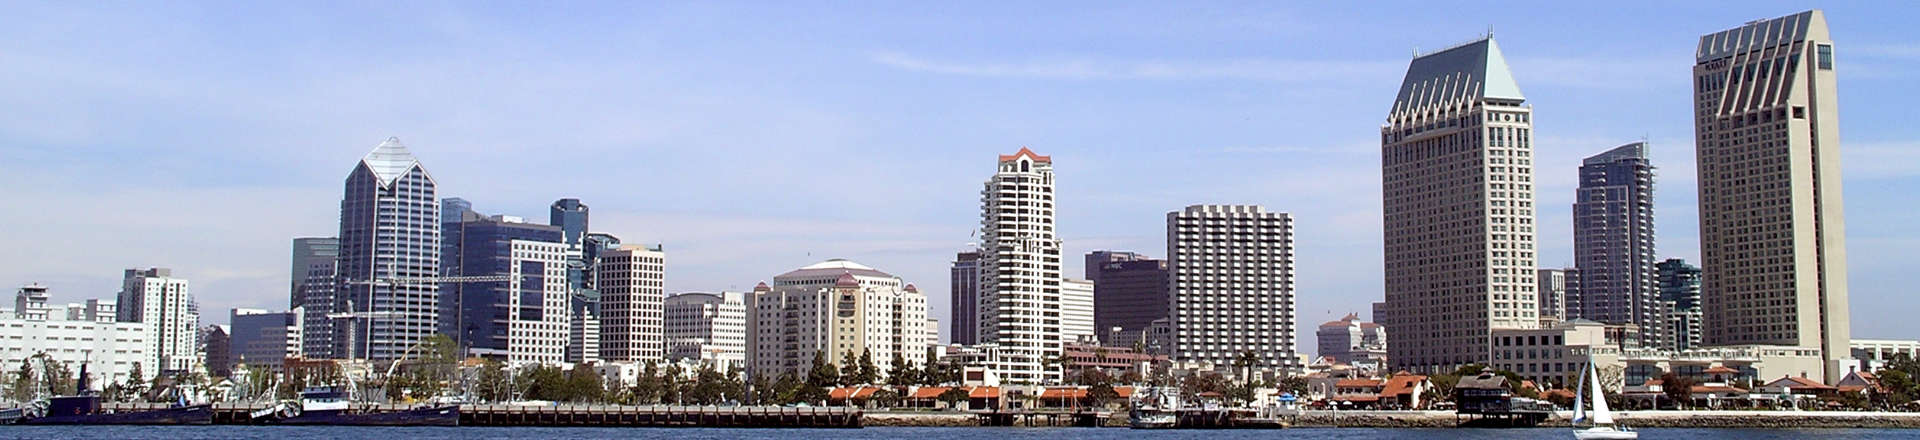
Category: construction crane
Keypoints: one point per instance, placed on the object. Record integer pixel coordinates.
(459, 327)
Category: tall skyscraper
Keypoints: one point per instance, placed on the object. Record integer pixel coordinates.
(1457, 178)
(389, 229)
(1232, 285)
(309, 252)
(1680, 290)
(632, 282)
(1076, 311)
(1129, 293)
(1613, 243)
(1020, 268)
(172, 319)
(526, 318)
(965, 293)
(1772, 230)
(1552, 291)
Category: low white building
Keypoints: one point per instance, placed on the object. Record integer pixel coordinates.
(1875, 353)
(73, 334)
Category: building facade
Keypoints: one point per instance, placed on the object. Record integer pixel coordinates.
(1077, 311)
(1874, 354)
(1679, 285)
(1020, 268)
(263, 339)
(1613, 243)
(965, 304)
(165, 306)
(1232, 285)
(1457, 180)
(308, 253)
(389, 230)
(1772, 229)
(1552, 291)
(1129, 293)
(1352, 341)
(710, 327)
(632, 283)
(527, 317)
(73, 334)
(838, 309)
(314, 283)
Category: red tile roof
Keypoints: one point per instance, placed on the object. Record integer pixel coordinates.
(1401, 384)
(861, 392)
(984, 393)
(1063, 393)
(1357, 398)
(1800, 382)
(1720, 370)
(1026, 152)
(1715, 389)
(928, 392)
(1124, 392)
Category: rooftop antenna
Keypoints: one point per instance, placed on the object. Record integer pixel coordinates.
(1489, 31)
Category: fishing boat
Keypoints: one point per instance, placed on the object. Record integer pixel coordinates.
(1155, 408)
(332, 406)
(83, 408)
(1597, 425)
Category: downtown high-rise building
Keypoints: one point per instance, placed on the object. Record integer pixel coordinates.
(263, 339)
(1076, 312)
(708, 327)
(389, 249)
(632, 282)
(1020, 269)
(1232, 285)
(1679, 285)
(1613, 244)
(525, 317)
(1457, 181)
(1553, 286)
(1129, 293)
(315, 281)
(1772, 229)
(165, 307)
(964, 292)
(310, 253)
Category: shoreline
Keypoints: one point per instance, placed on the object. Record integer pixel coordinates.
(1447, 419)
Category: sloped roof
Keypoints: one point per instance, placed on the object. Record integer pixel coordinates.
(1056, 393)
(1798, 382)
(833, 268)
(1402, 384)
(1461, 73)
(1484, 381)
(928, 392)
(389, 161)
(1720, 370)
(1028, 153)
(984, 392)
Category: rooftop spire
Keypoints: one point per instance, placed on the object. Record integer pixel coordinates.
(389, 161)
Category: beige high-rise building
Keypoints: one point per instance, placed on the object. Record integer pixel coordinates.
(1772, 234)
(632, 282)
(1020, 269)
(838, 309)
(1457, 179)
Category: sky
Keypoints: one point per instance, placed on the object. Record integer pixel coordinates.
(753, 138)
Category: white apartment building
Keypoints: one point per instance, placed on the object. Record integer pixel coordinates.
(1457, 181)
(709, 327)
(1232, 285)
(632, 282)
(165, 305)
(1020, 268)
(73, 334)
(1875, 353)
(1773, 246)
(836, 308)
(1076, 311)
(538, 312)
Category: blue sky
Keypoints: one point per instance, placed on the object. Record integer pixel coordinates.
(751, 138)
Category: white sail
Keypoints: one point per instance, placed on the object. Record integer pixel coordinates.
(1600, 415)
(1579, 399)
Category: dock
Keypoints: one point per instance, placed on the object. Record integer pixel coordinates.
(592, 415)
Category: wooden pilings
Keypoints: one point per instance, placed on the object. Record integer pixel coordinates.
(593, 415)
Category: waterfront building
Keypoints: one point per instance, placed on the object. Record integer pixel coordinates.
(263, 339)
(1129, 293)
(1772, 225)
(1554, 356)
(1552, 289)
(1679, 285)
(1114, 361)
(1457, 180)
(389, 229)
(1874, 354)
(1020, 267)
(707, 327)
(1613, 243)
(1743, 366)
(632, 283)
(1232, 285)
(1077, 311)
(165, 306)
(314, 282)
(836, 308)
(1351, 341)
(525, 318)
(965, 295)
(72, 334)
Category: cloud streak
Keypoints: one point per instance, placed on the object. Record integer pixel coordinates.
(1088, 68)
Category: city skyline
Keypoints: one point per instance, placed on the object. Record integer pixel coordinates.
(1339, 239)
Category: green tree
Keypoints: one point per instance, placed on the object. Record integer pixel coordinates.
(822, 374)
(868, 373)
(1901, 388)
(789, 389)
(1295, 384)
(671, 390)
(885, 398)
(494, 384)
(849, 373)
(1677, 387)
(543, 382)
(583, 385)
(1099, 394)
(1442, 390)
(648, 388)
(903, 374)
(954, 397)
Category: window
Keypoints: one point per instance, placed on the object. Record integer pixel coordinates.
(1825, 52)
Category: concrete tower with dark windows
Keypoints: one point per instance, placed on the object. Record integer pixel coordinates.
(313, 283)
(965, 291)
(1772, 230)
(1613, 243)
(1680, 290)
(1020, 268)
(389, 229)
(1456, 159)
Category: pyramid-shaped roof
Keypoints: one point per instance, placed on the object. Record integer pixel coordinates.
(1461, 73)
(389, 161)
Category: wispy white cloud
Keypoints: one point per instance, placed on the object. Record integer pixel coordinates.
(1088, 68)
(1880, 159)
(1907, 50)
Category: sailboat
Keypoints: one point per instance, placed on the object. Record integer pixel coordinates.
(1600, 426)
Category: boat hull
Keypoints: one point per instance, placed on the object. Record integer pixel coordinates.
(188, 415)
(1604, 434)
(435, 416)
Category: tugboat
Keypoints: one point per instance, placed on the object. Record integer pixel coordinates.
(332, 406)
(1157, 408)
(83, 408)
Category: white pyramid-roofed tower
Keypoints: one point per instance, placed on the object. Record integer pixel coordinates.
(390, 161)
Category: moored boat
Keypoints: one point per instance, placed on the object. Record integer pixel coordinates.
(330, 406)
(83, 408)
